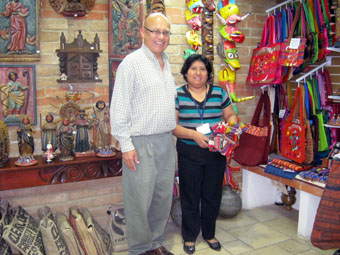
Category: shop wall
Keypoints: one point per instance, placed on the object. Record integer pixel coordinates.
(98, 194)
(52, 25)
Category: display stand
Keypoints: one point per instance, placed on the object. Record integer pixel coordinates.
(79, 169)
(259, 190)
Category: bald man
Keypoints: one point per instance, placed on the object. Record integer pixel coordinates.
(142, 118)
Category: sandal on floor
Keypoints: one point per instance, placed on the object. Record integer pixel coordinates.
(190, 249)
(214, 245)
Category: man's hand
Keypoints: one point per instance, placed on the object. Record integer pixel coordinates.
(130, 158)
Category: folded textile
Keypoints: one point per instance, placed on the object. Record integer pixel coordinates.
(277, 170)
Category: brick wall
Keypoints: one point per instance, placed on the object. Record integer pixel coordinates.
(98, 194)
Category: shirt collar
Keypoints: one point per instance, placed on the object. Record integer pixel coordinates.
(150, 55)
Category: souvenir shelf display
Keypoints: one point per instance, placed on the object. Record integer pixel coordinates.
(78, 60)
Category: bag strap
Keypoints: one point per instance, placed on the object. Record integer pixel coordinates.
(263, 103)
(295, 21)
(307, 104)
(322, 91)
(311, 97)
(328, 82)
(268, 33)
(297, 96)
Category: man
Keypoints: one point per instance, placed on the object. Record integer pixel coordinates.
(142, 118)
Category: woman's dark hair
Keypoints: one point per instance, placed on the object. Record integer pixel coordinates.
(191, 59)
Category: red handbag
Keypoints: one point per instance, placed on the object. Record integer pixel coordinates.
(294, 133)
(265, 67)
(254, 143)
(293, 57)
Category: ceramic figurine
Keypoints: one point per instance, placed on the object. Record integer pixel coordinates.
(102, 137)
(25, 143)
(82, 144)
(66, 139)
(49, 133)
(49, 153)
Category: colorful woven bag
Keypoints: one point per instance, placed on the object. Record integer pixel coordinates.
(294, 133)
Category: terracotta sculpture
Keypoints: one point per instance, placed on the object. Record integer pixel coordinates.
(25, 143)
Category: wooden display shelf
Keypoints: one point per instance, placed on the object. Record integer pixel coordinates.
(79, 169)
(297, 184)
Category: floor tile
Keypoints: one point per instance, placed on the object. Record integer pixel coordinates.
(293, 246)
(284, 225)
(271, 250)
(240, 220)
(271, 212)
(258, 235)
(268, 230)
(237, 247)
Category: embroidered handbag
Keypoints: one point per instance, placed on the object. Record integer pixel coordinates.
(254, 143)
(265, 65)
(293, 57)
(294, 133)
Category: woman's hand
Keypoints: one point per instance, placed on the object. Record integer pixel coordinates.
(200, 139)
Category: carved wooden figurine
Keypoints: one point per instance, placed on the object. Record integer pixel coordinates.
(25, 143)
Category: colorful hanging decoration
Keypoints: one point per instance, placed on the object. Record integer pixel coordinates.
(227, 76)
(225, 137)
(228, 14)
(194, 19)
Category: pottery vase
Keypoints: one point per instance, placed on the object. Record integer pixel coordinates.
(231, 203)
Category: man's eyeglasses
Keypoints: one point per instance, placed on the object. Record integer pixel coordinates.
(158, 33)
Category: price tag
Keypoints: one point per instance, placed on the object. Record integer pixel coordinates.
(204, 129)
(294, 43)
(282, 113)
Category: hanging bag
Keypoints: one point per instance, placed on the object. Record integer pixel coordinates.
(294, 133)
(293, 56)
(265, 67)
(254, 143)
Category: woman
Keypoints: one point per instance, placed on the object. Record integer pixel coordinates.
(199, 106)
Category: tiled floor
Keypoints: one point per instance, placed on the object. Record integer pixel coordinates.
(269, 230)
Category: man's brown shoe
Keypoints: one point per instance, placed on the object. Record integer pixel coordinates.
(159, 251)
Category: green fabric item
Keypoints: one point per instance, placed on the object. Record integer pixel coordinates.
(323, 143)
(310, 20)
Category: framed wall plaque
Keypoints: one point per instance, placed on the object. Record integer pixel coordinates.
(17, 93)
(125, 20)
(19, 33)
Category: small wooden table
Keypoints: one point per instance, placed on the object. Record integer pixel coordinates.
(79, 169)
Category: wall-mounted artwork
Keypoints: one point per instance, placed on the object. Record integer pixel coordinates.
(114, 63)
(125, 19)
(17, 93)
(19, 40)
(72, 8)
